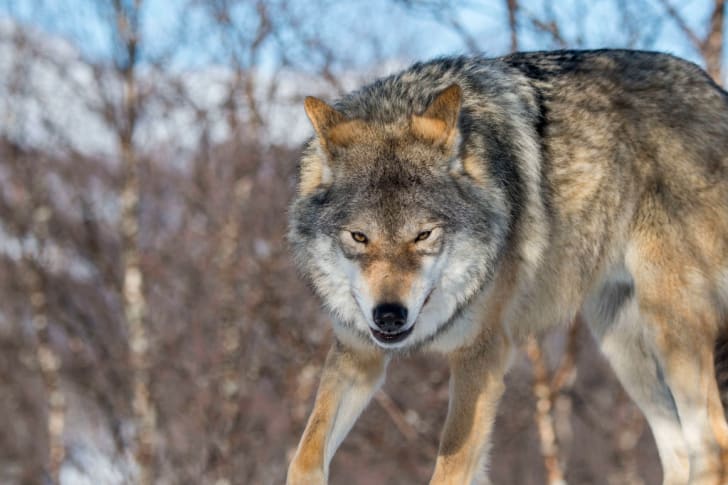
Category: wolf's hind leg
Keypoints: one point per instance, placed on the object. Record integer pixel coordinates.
(348, 381)
(476, 385)
(680, 323)
(687, 359)
(620, 334)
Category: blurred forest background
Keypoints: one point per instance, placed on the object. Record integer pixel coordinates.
(152, 328)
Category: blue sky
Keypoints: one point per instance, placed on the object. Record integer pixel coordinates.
(398, 32)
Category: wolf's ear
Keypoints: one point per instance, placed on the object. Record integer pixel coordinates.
(315, 168)
(323, 117)
(332, 128)
(438, 124)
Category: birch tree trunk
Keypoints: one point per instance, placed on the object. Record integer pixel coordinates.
(135, 306)
(49, 362)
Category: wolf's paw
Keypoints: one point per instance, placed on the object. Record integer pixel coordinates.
(296, 476)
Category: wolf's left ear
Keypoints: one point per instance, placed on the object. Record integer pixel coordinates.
(438, 124)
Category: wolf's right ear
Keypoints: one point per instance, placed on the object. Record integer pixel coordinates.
(331, 126)
(322, 116)
(315, 169)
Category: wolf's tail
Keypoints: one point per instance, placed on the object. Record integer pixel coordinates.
(720, 360)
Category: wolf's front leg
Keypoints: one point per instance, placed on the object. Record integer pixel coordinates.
(349, 379)
(476, 385)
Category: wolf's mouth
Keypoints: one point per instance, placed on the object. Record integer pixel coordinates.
(427, 298)
(391, 338)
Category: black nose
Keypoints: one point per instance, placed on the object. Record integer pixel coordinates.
(390, 317)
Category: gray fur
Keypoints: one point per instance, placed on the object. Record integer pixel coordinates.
(592, 181)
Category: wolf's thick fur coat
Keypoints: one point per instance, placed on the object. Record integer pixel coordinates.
(490, 198)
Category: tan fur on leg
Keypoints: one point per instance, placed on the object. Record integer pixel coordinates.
(476, 385)
(348, 382)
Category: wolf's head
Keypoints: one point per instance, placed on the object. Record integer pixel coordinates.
(395, 225)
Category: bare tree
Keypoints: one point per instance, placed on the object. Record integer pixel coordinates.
(49, 361)
(127, 16)
(709, 45)
(512, 6)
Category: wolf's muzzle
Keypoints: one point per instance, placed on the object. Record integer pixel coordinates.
(390, 318)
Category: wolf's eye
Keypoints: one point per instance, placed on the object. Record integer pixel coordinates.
(422, 236)
(359, 237)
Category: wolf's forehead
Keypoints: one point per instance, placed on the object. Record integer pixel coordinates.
(388, 212)
(390, 156)
(387, 175)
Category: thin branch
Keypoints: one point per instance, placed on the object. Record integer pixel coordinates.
(712, 48)
(551, 28)
(544, 420)
(410, 433)
(682, 24)
(564, 373)
(512, 23)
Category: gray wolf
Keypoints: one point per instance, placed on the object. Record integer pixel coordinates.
(466, 202)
